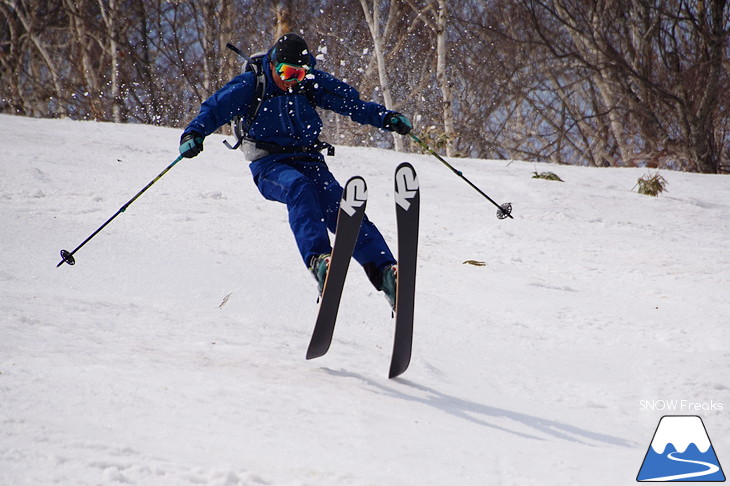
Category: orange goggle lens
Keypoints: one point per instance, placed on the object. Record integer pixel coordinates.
(289, 72)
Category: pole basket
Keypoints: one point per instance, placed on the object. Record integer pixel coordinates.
(504, 211)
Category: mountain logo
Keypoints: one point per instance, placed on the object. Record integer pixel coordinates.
(681, 451)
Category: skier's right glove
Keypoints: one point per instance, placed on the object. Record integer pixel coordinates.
(398, 123)
(191, 144)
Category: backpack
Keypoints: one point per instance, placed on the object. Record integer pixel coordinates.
(240, 124)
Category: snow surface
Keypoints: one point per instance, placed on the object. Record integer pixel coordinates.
(172, 353)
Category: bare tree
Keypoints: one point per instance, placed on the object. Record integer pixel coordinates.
(283, 11)
(434, 15)
(606, 82)
(13, 99)
(86, 51)
(378, 33)
(442, 75)
(32, 18)
(110, 16)
(386, 21)
(651, 71)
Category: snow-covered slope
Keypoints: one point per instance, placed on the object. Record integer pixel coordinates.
(172, 353)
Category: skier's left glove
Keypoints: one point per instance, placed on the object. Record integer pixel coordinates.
(191, 144)
(398, 123)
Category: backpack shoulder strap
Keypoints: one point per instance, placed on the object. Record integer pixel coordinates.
(251, 64)
(255, 64)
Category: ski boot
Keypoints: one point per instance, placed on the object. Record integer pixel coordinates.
(319, 266)
(389, 283)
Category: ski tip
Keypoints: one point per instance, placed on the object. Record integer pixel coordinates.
(397, 369)
(395, 374)
(316, 352)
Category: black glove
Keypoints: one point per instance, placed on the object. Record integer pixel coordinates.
(398, 123)
(191, 144)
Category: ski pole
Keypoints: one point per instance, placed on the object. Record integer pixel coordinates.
(503, 211)
(68, 256)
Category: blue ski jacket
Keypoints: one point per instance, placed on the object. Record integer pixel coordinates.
(285, 118)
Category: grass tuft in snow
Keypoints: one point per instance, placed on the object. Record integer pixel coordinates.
(651, 184)
(548, 176)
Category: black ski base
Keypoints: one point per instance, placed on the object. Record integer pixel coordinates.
(349, 218)
(408, 202)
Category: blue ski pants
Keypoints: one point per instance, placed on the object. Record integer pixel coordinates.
(312, 196)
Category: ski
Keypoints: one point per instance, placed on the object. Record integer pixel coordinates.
(407, 207)
(349, 218)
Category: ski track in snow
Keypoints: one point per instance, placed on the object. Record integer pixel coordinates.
(129, 367)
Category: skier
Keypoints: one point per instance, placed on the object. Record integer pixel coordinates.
(281, 141)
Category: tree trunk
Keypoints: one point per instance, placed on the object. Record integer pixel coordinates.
(109, 15)
(443, 79)
(35, 38)
(373, 21)
(284, 24)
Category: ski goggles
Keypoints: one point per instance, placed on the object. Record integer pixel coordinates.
(290, 72)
